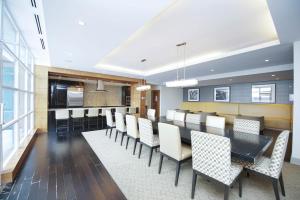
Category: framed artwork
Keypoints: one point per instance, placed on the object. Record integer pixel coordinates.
(222, 94)
(193, 94)
(263, 93)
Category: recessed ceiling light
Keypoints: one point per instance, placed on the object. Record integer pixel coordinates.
(81, 23)
(273, 75)
(212, 70)
(267, 60)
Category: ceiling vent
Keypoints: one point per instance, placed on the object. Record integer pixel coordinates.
(42, 43)
(38, 25)
(33, 3)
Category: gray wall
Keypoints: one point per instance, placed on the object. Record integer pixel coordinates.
(241, 93)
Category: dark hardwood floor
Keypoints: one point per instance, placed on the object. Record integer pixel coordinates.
(62, 168)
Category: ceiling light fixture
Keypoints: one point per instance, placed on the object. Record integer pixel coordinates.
(267, 60)
(273, 75)
(81, 23)
(143, 86)
(182, 82)
(212, 70)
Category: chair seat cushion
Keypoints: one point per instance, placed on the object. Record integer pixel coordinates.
(186, 151)
(261, 166)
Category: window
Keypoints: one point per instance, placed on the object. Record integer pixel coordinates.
(263, 93)
(8, 99)
(8, 142)
(10, 34)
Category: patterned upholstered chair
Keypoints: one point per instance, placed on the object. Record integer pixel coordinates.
(170, 115)
(171, 147)
(179, 116)
(212, 160)
(120, 126)
(147, 138)
(151, 114)
(132, 131)
(193, 118)
(271, 168)
(109, 121)
(246, 126)
(214, 121)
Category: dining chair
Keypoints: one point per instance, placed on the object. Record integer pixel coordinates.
(246, 126)
(179, 116)
(78, 116)
(212, 160)
(170, 115)
(121, 110)
(151, 114)
(271, 168)
(214, 121)
(132, 131)
(61, 116)
(147, 137)
(120, 126)
(109, 122)
(171, 147)
(193, 118)
(92, 114)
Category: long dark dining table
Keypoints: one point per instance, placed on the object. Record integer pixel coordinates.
(245, 147)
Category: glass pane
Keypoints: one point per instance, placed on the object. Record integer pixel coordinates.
(29, 82)
(29, 102)
(8, 140)
(29, 127)
(8, 74)
(9, 34)
(22, 78)
(22, 129)
(23, 52)
(22, 103)
(8, 101)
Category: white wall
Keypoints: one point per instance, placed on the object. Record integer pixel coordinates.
(296, 125)
(170, 98)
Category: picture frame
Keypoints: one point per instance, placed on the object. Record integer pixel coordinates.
(193, 94)
(222, 94)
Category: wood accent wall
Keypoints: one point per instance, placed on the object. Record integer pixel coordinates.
(277, 116)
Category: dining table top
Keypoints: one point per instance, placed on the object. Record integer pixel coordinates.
(245, 147)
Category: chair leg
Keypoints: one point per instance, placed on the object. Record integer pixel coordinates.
(150, 157)
(117, 132)
(281, 184)
(135, 142)
(160, 163)
(127, 142)
(226, 192)
(194, 180)
(240, 186)
(177, 173)
(140, 151)
(110, 132)
(275, 187)
(123, 134)
(106, 131)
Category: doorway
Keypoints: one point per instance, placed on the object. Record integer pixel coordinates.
(155, 102)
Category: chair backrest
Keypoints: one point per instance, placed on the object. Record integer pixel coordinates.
(78, 113)
(211, 155)
(146, 131)
(169, 140)
(132, 129)
(246, 126)
(278, 154)
(179, 116)
(103, 111)
(214, 121)
(62, 114)
(121, 110)
(170, 115)
(151, 114)
(93, 112)
(193, 118)
(131, 110)
(109, 118)
(120, 124)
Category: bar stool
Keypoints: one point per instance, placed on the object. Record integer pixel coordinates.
(61, 116)
(78, 116)
(92, 114)
(121, 110)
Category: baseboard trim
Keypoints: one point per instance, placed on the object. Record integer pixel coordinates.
(295, 161)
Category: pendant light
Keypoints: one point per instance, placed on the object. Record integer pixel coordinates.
(143, 86)
(182, 82)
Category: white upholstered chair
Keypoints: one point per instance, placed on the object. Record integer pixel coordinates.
(92, 116)
(121, 110)
(272, 167)
(147, 137)
(151, 114)
(179, 116)
(120, 126)
(171, 147)
(170, 115)
(246, 126)
(132, 130)
(62, 116)
(212, 160)
(109, 121)
(214, 121)
(78, 116)
(193, 118)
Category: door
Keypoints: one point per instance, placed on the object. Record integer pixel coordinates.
(155, 102)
